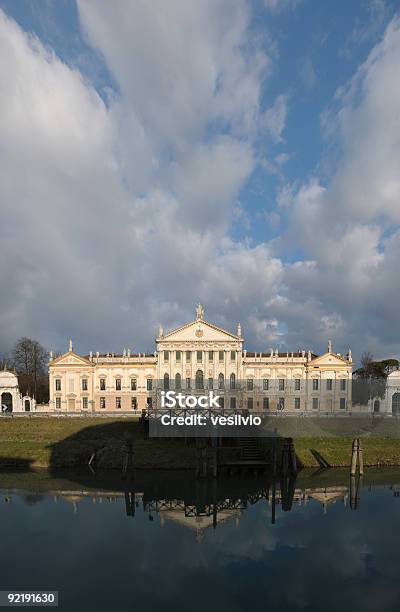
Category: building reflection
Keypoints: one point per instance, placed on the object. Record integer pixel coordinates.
(200, 505)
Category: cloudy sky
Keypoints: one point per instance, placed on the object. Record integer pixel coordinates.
(245, 154)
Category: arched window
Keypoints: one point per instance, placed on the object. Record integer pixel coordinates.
(178, 381)
(166, 382)
(377, 405)
(232, 381)
(221, 381)
(199, 380)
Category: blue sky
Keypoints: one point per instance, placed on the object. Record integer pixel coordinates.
(240, 134)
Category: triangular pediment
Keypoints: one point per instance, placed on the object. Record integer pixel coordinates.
(329, 359)
(199, 330)
(70, 358)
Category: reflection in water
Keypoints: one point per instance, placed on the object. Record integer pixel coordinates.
(285, 544)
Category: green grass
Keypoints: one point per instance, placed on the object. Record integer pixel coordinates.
(69, 442)
(337, 451)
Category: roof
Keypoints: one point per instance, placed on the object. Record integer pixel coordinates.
(8, 379)
(197, 322)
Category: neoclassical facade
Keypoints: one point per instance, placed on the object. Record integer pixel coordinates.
(196, 357)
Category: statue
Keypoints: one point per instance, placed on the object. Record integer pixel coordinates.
(160, 331)
(239, 330)
(70, 347)
(199, 311)
(329, 346)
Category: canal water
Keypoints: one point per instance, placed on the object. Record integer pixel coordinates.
(163, 541)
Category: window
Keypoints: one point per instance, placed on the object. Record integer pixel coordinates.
(133, 403)
(199, 380)
(166, 355)
(149, 384)
(58, 384)
(58, 403)
(84, 384)
(221, 355)
(178, 381)
(250, 384)
(343, 384)
(297, 384)
(166, 382)
(221, 381)
(265, 403)
(210, 355)
(118, 384)
(188, 355)
(221, 402)
(178, 355)
(265, 384)
(376, 406)
(118, 403)
(281, 403)
(329, 384)
(149, 403)
(315, 403)
(85, 403)
(342, 403)
(188, 383)
(199, 356)
(297, 403)
(133, 384)
(232, 381)
(102, 384)
(211, 383)
(315, 384)
(281, 384)
(249, 403)
(233, 355)
(233, 403)
(102, 402)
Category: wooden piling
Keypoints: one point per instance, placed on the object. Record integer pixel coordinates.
(354, 456)
(360, 458)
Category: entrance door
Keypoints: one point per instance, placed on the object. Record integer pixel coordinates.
(27, 405)
(71, 404)
(396, 403)
(6, 402)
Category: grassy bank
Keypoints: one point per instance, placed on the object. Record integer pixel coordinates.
(49, 442)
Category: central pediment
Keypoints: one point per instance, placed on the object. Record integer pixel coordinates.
(197, 331)
(70, 359)
(329, 359)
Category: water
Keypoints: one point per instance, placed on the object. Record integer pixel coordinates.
(163, 541)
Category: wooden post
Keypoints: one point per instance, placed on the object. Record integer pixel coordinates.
(285, 457)
(360, 458)
(292, 457)
(354, 456)
(273, 499)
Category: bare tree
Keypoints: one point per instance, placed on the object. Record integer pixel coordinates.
(367, 360)
(30, 359)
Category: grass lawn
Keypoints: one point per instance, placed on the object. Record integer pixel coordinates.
(69, 442)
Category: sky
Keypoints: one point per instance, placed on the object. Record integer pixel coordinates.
(242, 154)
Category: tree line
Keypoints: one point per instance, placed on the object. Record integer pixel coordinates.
(29, 359)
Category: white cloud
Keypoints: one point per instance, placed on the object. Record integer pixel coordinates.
(116, 217)
(281, 5)
(275, 118)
